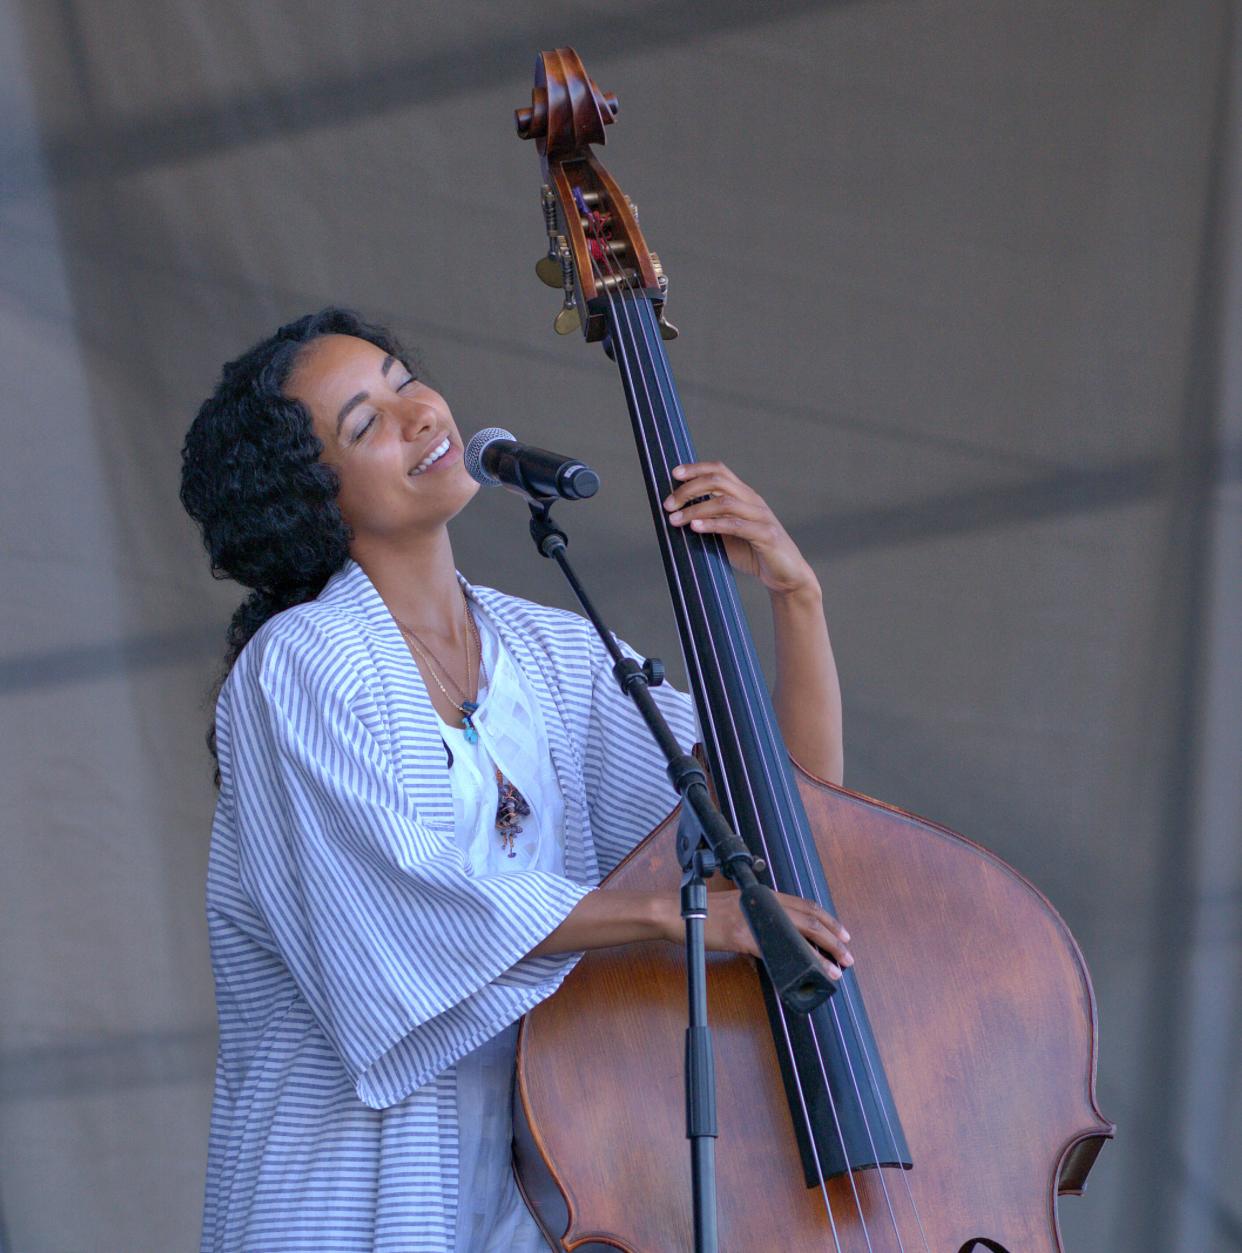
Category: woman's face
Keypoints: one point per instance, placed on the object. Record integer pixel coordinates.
(390, 438)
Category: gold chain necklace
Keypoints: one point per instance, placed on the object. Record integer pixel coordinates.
(511, 806)
(465, 706)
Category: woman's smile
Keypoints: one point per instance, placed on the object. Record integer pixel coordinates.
(442, 453)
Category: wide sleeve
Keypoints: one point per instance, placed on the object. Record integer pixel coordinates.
(406, 961)
(627, 786)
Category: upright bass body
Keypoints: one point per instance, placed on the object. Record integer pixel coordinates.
(943, 1096)
(986, 1022)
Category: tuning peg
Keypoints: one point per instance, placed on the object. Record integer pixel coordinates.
(667, 329)
(568, 320)
(549, 269)
(570, 317)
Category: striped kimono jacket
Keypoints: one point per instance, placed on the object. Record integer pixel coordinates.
(355, 958)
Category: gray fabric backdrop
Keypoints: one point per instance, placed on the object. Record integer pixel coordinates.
(960, 289)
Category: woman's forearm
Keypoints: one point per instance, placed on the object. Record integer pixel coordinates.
(602, 919)
(807, 693)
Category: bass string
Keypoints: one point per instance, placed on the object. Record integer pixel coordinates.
(731, 801)
(646, 320)
(723, 584)
(698, 661)
(729, 589)
(837, 1126)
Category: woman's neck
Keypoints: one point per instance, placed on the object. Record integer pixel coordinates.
(418, 583)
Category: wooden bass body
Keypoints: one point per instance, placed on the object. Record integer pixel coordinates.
(985, 1016)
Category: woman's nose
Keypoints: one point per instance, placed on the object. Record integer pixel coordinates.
(417, 418)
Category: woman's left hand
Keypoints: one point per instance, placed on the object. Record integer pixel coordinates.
(754, 539)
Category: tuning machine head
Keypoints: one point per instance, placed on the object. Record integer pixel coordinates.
(667, 329)
(569, 319)
(548, 267)
(556, 268)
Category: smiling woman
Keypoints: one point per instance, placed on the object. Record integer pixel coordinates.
(419, 794)
(390, 438)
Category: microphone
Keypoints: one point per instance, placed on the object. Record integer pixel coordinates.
(495, 459)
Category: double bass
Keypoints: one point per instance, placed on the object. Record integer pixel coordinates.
(944, 1097)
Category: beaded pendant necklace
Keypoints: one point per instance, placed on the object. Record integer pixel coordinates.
(511, 806)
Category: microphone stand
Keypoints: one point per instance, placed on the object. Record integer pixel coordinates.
(705, 843)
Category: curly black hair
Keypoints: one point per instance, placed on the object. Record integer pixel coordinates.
(252, 479)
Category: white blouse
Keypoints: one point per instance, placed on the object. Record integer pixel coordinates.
(491, 1215)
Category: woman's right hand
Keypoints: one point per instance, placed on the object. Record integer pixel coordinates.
(727, 930)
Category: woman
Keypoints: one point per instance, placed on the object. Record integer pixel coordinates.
(421, 783)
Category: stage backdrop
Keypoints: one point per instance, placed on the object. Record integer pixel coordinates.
(959, 288)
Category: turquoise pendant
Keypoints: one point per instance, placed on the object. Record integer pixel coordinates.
(472, 736)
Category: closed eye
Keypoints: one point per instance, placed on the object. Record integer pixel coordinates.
(402, 386)
(362, 429)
